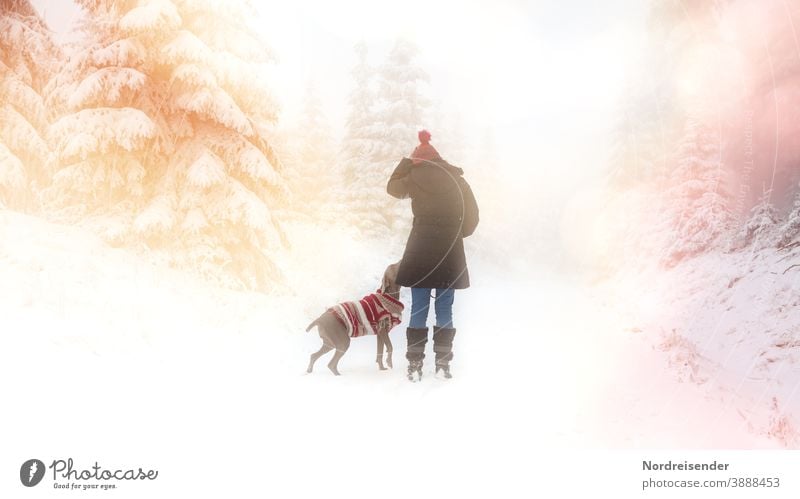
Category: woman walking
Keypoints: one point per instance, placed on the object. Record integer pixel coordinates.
(445, 212)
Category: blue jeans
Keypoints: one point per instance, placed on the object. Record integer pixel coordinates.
(421, 301)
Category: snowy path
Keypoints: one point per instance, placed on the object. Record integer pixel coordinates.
(105, 357)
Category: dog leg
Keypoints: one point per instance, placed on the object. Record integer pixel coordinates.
(333, 365)
(316, 355)
(388, 351)
(341, 349)
(379, 356)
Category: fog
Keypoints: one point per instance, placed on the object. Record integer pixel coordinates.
(531, 89)
(542, 77)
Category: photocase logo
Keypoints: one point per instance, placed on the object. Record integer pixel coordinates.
(31, 472)
(68, 476)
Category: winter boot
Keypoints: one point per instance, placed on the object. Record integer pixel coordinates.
(417, 338)
(443, 347)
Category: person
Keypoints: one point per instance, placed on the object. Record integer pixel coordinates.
(445, 212)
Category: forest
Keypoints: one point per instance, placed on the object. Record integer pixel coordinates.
(707, 139)
(154, 127)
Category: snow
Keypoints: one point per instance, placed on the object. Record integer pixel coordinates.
(195, 221)
(80, 145)
(18, 133)
(214, 104)
(193, 74)
(120, 53)
(791, 226)
(115, 355)
(124, 127)
(158, 215)
(252, 161)
(165, 125)
(158, 15)
(12, 173)
(243, 203)
(105, 85)
(186, 47)
(23, 97)
(727, 323)
(120, 359)
(207, 170)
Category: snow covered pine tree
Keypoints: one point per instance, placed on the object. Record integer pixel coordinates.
(164, 137)
(790, 228)
(27, 57)
(758, 230)
(358, 156)
(102, 133)
(379, 136)
(310, 158)
(697, 200)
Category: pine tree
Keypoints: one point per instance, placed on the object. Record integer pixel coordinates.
(362, 138)
(401, 112)
(763, 219)
(790, 228)
(698, 201)
(27, 55)
(649, 122)
(311, 165)
(637, 154)
(102, 131)
(223, 174)
(359, 186)
(402, 105)
(167, 127)
(652, 114)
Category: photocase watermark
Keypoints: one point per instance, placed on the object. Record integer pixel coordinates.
(31, 472)
(67, 476)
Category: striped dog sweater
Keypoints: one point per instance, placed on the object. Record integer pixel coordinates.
(373, 313)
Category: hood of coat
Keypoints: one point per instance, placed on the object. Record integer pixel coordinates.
(436, 178)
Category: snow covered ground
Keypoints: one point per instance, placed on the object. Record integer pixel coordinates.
(105, 356)
(729, 327)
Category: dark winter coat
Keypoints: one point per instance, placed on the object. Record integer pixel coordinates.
(445, 212)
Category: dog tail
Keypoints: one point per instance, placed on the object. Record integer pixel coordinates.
(311, 326)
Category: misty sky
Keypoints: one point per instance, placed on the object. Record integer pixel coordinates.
(542, 77)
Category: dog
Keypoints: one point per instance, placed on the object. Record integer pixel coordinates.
(338, 324)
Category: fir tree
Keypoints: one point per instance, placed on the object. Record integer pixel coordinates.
(400, 113)
(759, 226)
(223, 175)
(790, 228)
(698, 201)
(101, 132)
(362, 138)
(402, 104)
(636, 150)
(27, 57)
(167, 124)
(312, 160)
(360, 189)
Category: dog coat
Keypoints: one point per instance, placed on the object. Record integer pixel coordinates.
(368, 315)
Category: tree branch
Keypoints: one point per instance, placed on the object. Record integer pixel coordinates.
(790, 268)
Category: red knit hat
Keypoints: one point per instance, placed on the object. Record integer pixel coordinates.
(424, 136)
(424, 151)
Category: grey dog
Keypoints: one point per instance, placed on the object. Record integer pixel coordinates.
(334, 334)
